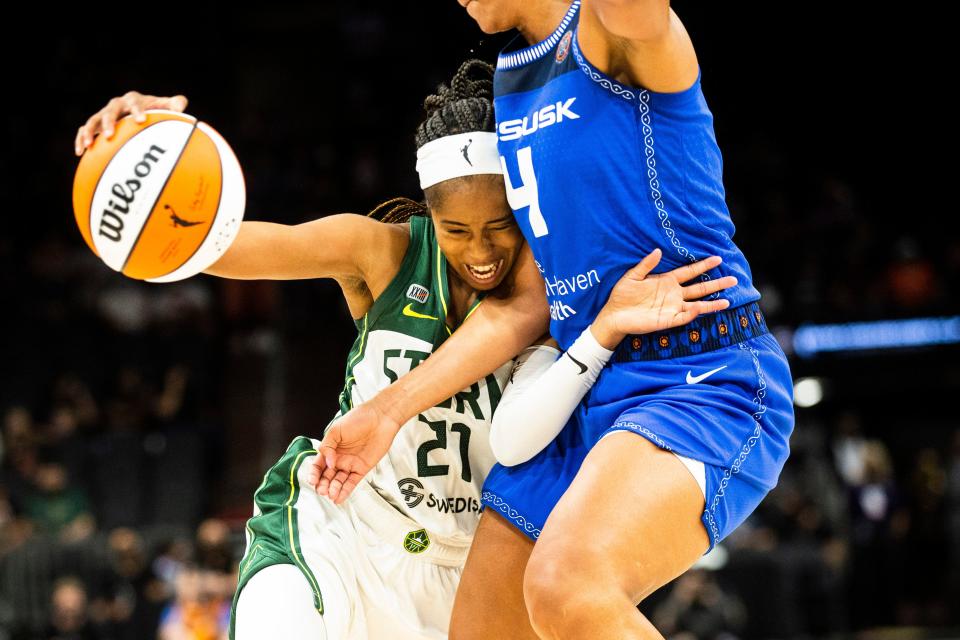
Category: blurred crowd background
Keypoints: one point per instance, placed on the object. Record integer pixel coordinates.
(137, 419)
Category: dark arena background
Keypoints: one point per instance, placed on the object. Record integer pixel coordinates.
(138, 418)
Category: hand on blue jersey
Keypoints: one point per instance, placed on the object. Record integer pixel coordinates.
(642, 303)
(130, 103)
(351, 447)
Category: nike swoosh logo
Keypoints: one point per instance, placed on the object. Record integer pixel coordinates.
(583, 367)
(692, 379)
(407, 311)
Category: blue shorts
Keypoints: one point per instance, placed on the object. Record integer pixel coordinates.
(730, 408)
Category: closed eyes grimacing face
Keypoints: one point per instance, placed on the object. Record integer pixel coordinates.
(475, 229)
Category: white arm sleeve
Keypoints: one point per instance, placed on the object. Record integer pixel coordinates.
(542, 393)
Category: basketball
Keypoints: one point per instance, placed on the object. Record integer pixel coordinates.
(161, 200)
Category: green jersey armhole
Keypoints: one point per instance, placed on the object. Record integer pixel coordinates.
(405, 274)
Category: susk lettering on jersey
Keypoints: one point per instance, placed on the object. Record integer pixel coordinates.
(547, 116)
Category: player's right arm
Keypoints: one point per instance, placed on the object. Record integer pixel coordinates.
(346, 247)
(361, 254)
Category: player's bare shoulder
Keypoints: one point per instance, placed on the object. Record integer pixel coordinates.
(639, 45)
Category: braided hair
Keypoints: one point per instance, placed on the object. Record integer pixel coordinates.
(398, 210)
(465, 105)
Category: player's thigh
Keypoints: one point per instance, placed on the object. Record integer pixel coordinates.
(277, 602)
(630, 520)
(489, 602)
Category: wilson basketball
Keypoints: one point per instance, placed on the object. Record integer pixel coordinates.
(162, 199)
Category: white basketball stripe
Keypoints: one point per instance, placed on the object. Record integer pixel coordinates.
(130, 185)
(229, 215)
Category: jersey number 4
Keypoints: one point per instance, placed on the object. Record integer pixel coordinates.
(526, 194)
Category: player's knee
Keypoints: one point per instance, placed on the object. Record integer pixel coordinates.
(558, 593)
(577, 587)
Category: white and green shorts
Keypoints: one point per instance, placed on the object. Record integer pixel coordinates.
(372, 571)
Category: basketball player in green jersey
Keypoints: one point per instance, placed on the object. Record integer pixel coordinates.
(386, 563)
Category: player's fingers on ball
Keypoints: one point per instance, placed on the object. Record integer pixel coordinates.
(178, 103)
(133, 103)
(90, 129)
(109, 115)
(136, 110)
(78, 142)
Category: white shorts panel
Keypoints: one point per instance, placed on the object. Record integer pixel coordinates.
(696, 468)
(371, 588)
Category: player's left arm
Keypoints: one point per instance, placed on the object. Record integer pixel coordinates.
(638, 42)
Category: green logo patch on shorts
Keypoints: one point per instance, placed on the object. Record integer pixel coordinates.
(416, 541)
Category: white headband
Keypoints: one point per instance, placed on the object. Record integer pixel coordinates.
(464, 154)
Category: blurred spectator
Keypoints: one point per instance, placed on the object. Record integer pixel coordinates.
(879, 524)
(922, 599)
(19, 463)
(132, 597)
(55, 508)
(199, 611)
(953, 518)
(697, 607)
(14, 530)
(849, 448)
(173, 558)
(213, 550)
(68, 612)
(71, 391)
(912, 278)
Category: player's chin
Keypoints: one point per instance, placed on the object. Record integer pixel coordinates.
(485, 18)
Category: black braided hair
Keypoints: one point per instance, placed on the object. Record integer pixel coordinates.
(399, 210)
(465, 105)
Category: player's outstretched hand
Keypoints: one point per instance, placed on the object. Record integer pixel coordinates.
(351, 447)
(130, 103)
(642, 303)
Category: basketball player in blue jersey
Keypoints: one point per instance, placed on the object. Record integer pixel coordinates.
(609, 151)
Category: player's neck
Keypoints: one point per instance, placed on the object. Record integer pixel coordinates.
(539, 18)
(462, 297)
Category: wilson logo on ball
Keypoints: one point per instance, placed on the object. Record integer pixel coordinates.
(159, 201)
(111, 222)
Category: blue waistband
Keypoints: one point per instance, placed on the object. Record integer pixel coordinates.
(706, 333)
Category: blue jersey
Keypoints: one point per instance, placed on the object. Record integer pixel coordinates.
(600, 174)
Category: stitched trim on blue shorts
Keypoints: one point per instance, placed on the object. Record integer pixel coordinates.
(626, 425)
(495, 501)
(745, 450)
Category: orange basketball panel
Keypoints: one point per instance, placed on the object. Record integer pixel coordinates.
(97, 157)
(183, 214)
